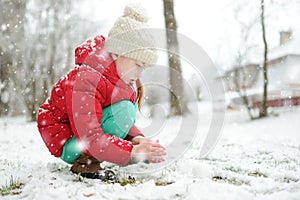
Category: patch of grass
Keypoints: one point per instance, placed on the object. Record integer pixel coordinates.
(232, 181)
(132, 180)
(264, 152)
(233, 169)
(217, 178)
(56, 168)
(79, 178)
(236, 182)
(163, 183)
(257, 174)
(129, 180)
(13, 187)
(290, 180)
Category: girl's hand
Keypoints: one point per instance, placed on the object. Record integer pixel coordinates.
(149, 150)
(136, 139)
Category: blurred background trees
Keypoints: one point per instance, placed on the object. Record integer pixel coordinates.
(36, 49)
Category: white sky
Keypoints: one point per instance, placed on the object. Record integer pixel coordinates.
(204, 16)
(209, 23)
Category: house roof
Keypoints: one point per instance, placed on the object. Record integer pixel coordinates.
(291, 47)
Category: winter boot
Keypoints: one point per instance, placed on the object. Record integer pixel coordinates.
(86, 164)
(89, 167)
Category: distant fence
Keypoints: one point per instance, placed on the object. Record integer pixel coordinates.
(281, 102)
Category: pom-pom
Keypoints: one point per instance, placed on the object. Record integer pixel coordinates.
(137, 12)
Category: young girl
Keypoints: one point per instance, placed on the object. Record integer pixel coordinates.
(90, 114)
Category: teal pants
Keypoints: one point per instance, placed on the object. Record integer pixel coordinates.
(116, 120)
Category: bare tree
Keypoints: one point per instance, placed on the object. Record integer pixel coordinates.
(45, 50)
(264, 110)
(52, 32)
(243, 72)
(178, 104)
(36, 49)
(11, 48)
(240, 74)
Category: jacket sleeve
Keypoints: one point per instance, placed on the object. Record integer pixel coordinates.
(84, 100)
(133, 132)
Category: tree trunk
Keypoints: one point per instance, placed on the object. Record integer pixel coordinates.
(264, 110)
(11, 45)
(178, 105)
(34, 106)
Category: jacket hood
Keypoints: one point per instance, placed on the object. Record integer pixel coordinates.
(93, 54)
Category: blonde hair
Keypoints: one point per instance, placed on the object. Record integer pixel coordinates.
(140, 93)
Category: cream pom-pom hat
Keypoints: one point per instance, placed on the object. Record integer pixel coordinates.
(129, 37)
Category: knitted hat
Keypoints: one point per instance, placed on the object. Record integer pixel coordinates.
(130, 37)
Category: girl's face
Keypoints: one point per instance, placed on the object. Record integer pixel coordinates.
(129, 70)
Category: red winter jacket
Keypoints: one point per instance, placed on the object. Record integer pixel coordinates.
(76, 102)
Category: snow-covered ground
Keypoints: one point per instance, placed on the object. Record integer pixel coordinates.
(252, 160)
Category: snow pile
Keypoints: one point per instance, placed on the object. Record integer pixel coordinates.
(253, 160)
